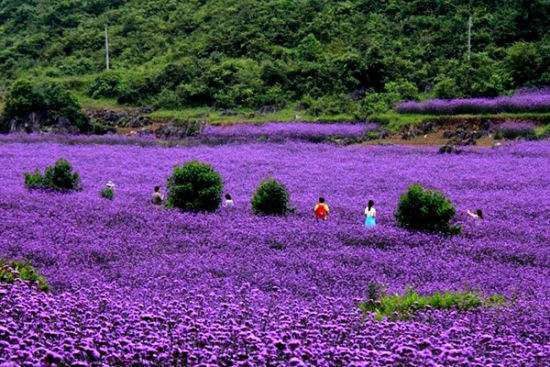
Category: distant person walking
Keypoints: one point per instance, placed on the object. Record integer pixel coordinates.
(478, 215)
(228, 202)
(321, 210)
(157, 197)
(370, 215)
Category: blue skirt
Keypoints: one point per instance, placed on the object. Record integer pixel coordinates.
(370, 222)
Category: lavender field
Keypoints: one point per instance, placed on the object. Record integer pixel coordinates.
(137, 285)
(522, 101)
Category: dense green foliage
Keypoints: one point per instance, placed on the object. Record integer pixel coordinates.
(12, 270)
(333, 55)
(425, 210)
(48, 99)
(107, 193)
(59, 177)
(404, 306)
(271, 198)
(195, 187)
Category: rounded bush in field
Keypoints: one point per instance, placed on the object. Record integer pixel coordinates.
(107, 193)
(59, 177)
(425, 210)
(271, 198)
(195, 187)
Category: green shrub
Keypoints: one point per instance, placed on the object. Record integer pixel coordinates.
(106, 85)
(12, 270)
(446, 88)
(374, 103)
(328, 105)
(523, 61)
(402, 88)
(167, 99)
(404, 306)
(271, 198)
(194, 187)
(34, 180)
(44, 97)
(59, 177)
(425, 210)
(107, 193)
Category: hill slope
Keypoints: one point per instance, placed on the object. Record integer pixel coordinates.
(253, 53)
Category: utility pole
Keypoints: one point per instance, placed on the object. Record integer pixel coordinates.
(106, 48)
(469, 36)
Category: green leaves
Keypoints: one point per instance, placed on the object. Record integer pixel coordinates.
(12, 270)
(194, 187)
(402, 307)
(59, 177)
(271, 198)
(425, 210)
(44, 98)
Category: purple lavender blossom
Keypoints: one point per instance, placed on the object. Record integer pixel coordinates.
(524, 101)
(135, 284)
(286, 131)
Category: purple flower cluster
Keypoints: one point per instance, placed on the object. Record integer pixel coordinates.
(526, 101)
(109, 139)
(514, 129)
(134, 284)
(286, 131)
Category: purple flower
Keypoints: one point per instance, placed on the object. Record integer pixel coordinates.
(525, 101)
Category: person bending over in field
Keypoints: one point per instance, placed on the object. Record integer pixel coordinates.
(228, 202)
(478, 215)
(370, 215)
(157, 197)
(321, 209)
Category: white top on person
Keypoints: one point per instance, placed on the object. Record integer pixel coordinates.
(228, 202)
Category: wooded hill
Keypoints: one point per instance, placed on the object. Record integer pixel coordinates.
(258, 53)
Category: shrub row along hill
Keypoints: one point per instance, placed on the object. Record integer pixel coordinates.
(251, 53)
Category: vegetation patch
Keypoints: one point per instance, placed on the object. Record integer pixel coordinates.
(426, 210)
(38, 104)
(59, 177)
(271, 198)
(403, 307)
(195, 187)
(107, 193)
(10, 271)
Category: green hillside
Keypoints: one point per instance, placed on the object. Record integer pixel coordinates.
(326, 57)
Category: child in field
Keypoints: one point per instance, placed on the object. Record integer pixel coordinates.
(110, 185)
(370, 215)
(321, 209)
(228, 202)
(478, 215)
(157, 197)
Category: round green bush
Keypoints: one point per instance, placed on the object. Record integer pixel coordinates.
(425, 210)
(271, 198)
(194, 187)
(59, 177)
(107, 193)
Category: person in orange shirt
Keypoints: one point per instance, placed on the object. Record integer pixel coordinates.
(321, 210)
